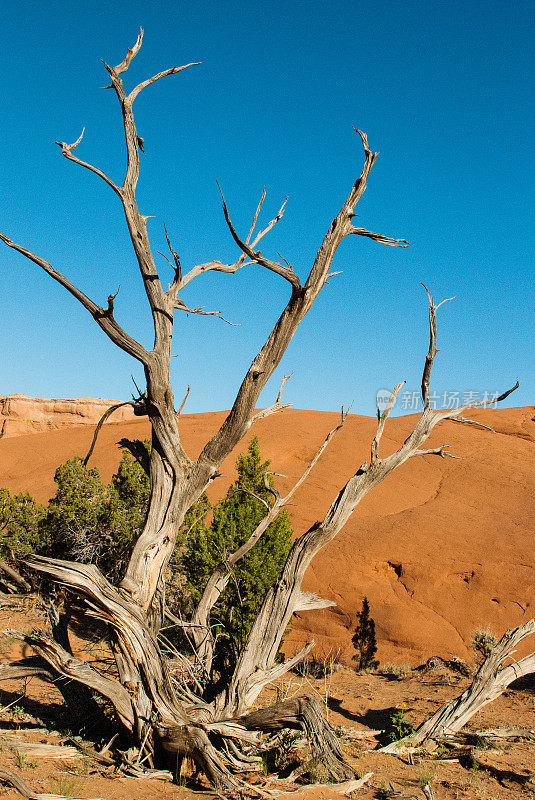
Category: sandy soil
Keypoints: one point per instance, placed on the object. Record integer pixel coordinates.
(354, 703)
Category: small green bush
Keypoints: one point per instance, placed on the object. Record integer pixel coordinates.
(483, 642)
(399, 726)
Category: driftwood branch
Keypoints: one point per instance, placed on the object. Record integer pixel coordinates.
(492, 678)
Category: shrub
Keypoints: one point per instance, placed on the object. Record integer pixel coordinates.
(364, 639)
(399, 725)
(234, 520)
(20, 518)
(483, 642)
(395, 671)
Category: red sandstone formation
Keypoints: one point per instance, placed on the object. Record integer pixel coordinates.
(441, 548)
(20, 414)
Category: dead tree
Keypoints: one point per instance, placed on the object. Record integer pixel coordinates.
(187, 716)
(492, 678)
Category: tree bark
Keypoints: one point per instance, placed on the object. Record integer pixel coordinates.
(491, 679)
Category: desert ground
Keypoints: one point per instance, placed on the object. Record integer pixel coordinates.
(441, 548)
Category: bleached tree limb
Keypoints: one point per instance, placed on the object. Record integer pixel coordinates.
(65, 663)
(15, 577)
(149, 675)
(217, 266)
(171, 71)
(303, 713)
(281, 600)
(25, 668)
(67, 149)
(183, 403)
(153, 549)
(256, 256)
(492, 678)
(277, 406)
(179, 305)
(381, 422)
(130, 54)
(106, 321)
(426, 377)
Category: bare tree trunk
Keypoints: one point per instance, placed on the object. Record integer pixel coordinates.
(491, 679)
(145, 698)
(306, 714)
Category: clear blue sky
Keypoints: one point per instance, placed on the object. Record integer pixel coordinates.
(443, 89)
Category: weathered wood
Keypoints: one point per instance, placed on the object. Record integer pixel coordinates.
(190, 740)
(10, 779)
(491, 679)
(25, 668)
(73, 668)
(15, 577)
(306, 714)
(39, 749)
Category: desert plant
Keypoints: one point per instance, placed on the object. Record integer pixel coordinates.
(394, 671)
(64, 785)
(399, 726)
(20, 518)
(235, 519)
(364, 640)
(424, 777)
(483, 642)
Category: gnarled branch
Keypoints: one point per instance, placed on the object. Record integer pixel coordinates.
(492, 678)
(69, 666)
(67, 149)
(105, 321)
(283, 598)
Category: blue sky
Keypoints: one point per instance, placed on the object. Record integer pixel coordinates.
(444, 91)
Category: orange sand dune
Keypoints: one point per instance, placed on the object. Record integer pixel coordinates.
(440, 548)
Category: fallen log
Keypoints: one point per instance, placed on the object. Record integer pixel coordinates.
(10, 779)
(491, 679)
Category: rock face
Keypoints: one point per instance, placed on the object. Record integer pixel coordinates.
(441, 548)
(20, 414)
